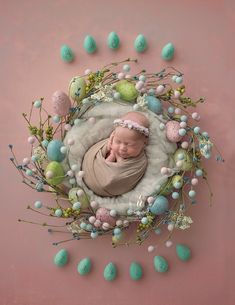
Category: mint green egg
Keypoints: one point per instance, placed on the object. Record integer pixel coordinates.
(113, 40)
(127, 90)
(83, 199)
(187, 159)
(168, 51)
(89, 44)
(140, 43)
(61, 258)
(84, 266)
(58, 173)
(160, 264)
(66, 53)
(136, 271)
(110, 272)
(183, 252)
(77, 88)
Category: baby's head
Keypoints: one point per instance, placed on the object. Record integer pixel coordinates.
(130, 135)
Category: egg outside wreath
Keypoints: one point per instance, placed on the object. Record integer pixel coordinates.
(42, 169)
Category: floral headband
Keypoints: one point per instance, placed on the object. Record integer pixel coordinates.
(132, 125)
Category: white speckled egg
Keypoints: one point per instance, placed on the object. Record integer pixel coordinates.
(61, 103)
(172, 131)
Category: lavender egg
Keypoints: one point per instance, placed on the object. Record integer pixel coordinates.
(172, 131)
(61, 103)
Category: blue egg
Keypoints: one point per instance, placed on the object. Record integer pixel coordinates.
(196, 130)
(45, 143)
(154, 104)
(192, 193)
(184, 118)
(53, 151)
(171, 109)
(117, 231)
(56, 118)
(89, 227)
(144, 220)
(29, 172)
(38, 204)
(182, 132)
(151, 91)
(179, 80)
(83, 225)
(58, 212)
(160, 205)
(175, 195)
(37, 104)
(76, 206)
(94, 235)
(158, 231)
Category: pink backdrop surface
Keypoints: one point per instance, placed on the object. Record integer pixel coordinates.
(31, 35)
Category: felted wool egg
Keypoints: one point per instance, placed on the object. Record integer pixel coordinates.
(187, 162)
(83, 199)
(183, 252)
(77, 88)
(140, 43)
(136, 271)
(160, 205)
(57, 171)
(103, 215)
(110, 272)
(160, 264)
(113, 40)
(89, 44)
(127, 90)
(84, 266)
(154, 104)
(61, 103)
(168, 51)
(61, 258)
(53, 151)
(172, 131)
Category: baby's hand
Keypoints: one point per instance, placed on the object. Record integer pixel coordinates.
(111, 157)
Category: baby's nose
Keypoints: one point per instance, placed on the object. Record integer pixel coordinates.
(123, 147)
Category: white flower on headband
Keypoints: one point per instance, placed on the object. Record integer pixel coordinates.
(132, 125)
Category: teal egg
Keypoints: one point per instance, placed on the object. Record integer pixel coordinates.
(127, 90)
(168, 51)
(183, 252)
(61, 258)
(89, 44)
(140, 43)
(160, 264)
(110, 272)
(136, 271)
(66, 53)
(160, 205)
(154, 104)
(53, 151)
(58, 173)
(113, 40)
(84, 266)
(77, 88)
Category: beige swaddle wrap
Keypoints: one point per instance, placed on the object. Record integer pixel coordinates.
(111, 179)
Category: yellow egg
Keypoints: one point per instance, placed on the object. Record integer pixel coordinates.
(83, 199)
(187, 160)
(77, 88)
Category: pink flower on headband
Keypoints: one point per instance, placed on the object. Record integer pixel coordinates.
(132, 125)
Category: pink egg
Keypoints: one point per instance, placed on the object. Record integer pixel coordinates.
(139, 85)
(121, 75)
(31, 139)
(92, 219)
(26, 161)
(185, 145)
(194, 181)
(94, 204)
(103, 215)
(172, 131)
(119, 223)
(61, 103)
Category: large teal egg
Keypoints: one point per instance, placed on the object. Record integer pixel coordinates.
(110, 272)
(136, 271)
(140, 43)
(58, 173)
(183, 252)
(84, 266)
(61, 258)
(77, 88)
(160, 264)
(53, 151)
(160, 205)
(113, 40)
(89, 44)
(168, 51)
(154, 104)
(127, 90)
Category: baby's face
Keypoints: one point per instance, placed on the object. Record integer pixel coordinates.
(127, 143)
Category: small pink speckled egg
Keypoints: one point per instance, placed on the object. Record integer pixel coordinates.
(103, 215)
(61, 103)
(172, 131)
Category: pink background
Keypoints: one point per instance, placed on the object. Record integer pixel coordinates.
(31, 35)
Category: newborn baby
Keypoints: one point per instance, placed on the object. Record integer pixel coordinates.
(115, 165)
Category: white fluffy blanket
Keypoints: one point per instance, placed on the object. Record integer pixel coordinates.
(158, 150)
